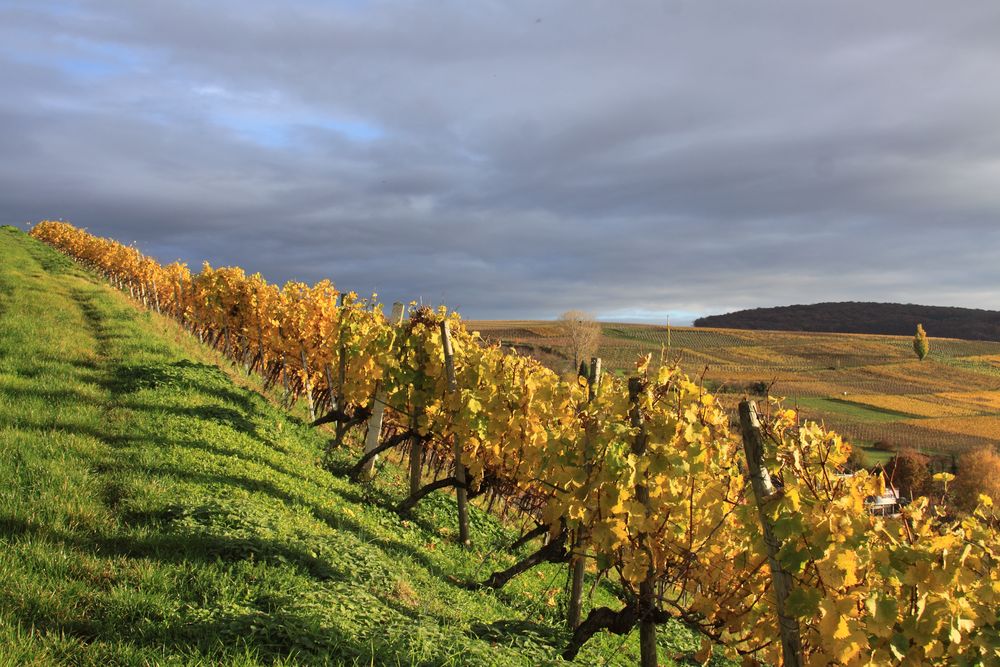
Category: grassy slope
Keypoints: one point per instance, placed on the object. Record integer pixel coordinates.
(154, 512)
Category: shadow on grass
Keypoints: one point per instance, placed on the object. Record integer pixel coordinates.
(518, 633)
(186, 546)
(263, 626)
(180, 375)
(115, 490)
(337, 521)
(212, 385)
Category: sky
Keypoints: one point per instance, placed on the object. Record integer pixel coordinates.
(515, 160)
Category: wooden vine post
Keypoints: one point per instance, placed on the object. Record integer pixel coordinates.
(579, 566)
(156, 297)
(378, 407)
(461, 491)
(764, 493)
(177, 301)
(261, 357)
(284, 381)
(647, 594)
(331, 394)
(188, 323)
(340, 429)
(308, 383)
(416, 447)
(416, 456)
(341, 349)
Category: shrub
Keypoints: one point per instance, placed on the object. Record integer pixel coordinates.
(856, 461)
(978, 472)
(910, 473)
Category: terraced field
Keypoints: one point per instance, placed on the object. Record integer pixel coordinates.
(871, 388)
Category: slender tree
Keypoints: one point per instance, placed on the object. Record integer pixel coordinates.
(920, 344)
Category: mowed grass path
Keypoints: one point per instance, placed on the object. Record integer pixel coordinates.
(152, 512)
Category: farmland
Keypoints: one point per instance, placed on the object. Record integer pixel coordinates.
(871, 388)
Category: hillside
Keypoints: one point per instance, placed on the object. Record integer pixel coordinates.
(155, 508)
(868, 387)
(864, 317)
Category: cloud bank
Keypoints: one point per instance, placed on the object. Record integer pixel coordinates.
(515, 159)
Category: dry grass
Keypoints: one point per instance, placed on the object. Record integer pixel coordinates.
(986, 427)
(985, 401)
(406, 594)
(913, 405)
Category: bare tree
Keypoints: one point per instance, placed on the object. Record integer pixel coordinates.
(582, 333)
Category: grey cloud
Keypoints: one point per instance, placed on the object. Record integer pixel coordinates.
(517, 159)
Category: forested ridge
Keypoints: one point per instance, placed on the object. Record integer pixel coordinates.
(896, 319)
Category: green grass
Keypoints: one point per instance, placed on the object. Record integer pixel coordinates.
(973, 365)
(684, 337)
(856, 411)
(155, 509)
(873, 456)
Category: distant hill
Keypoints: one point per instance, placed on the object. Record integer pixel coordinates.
(865, 317)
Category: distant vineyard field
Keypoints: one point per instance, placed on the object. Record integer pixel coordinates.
(870, 387)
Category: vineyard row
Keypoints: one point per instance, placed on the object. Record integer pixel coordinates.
(640, 478)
